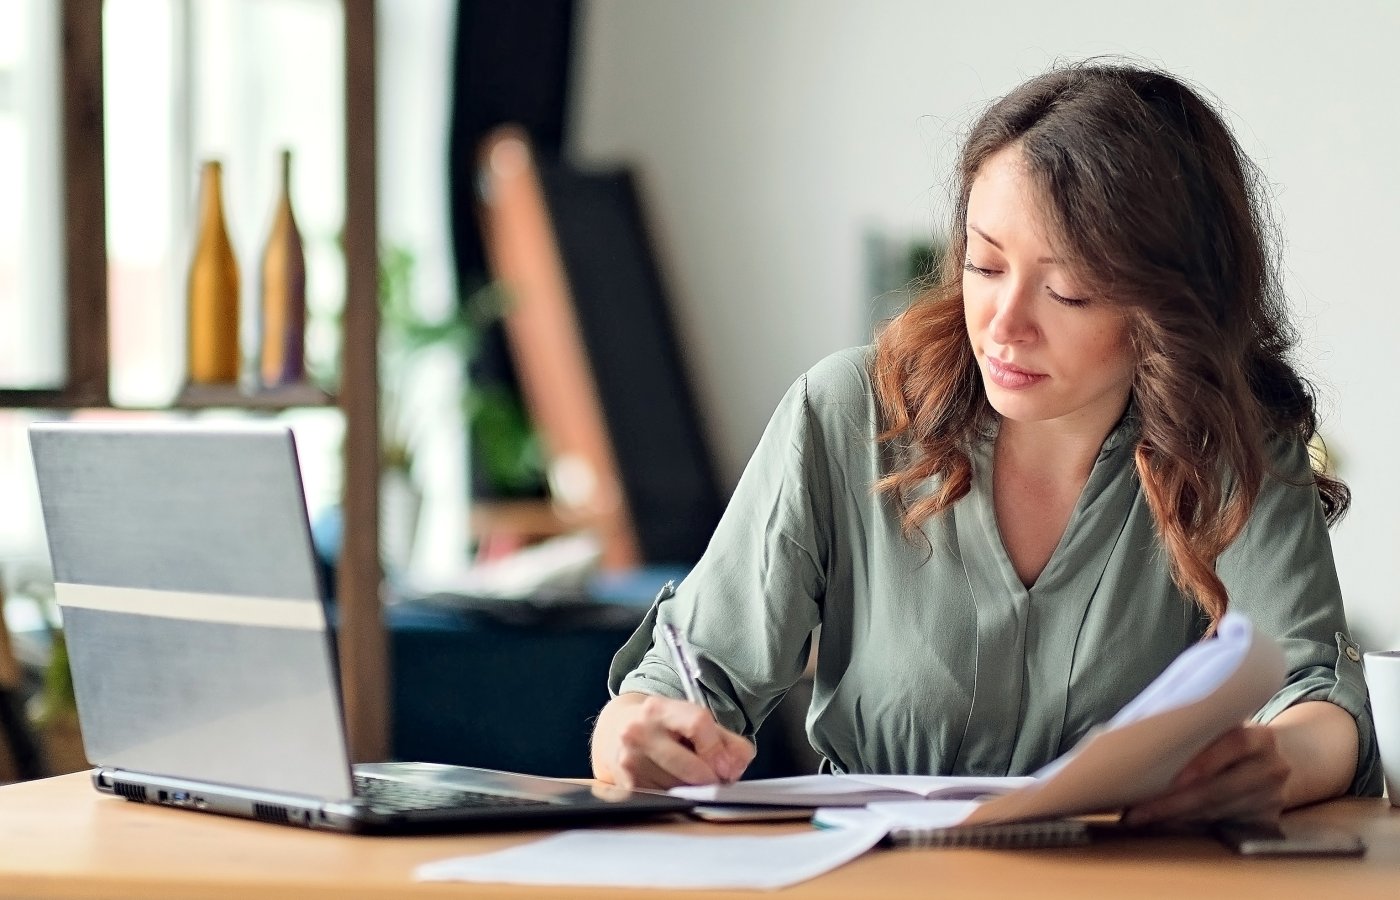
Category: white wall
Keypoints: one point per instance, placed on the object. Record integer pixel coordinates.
(772, 136)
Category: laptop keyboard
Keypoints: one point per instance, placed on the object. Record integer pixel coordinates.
(388, 795)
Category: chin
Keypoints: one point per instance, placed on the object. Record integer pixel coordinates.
(1019, 406)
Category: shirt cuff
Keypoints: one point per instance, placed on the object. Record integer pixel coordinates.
(1343, 684)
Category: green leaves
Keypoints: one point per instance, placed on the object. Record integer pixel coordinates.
(502, 436)
(506, 445)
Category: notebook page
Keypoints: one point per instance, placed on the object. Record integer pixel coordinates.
(849, 790)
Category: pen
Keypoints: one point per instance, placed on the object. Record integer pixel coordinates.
(684, 660)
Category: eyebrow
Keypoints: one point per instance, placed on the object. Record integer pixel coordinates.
(1044, 260)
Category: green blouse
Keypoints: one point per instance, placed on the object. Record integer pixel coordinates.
(933, 656)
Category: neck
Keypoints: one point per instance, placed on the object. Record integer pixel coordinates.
(1062, 450)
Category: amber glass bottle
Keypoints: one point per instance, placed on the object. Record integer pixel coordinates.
(283, 293)
(213, 290)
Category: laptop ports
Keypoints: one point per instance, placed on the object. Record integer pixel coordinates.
(183, 798)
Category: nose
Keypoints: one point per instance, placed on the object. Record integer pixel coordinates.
(1013, 319)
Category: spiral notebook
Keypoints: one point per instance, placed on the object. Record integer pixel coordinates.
(916, 825)
(1055, 833)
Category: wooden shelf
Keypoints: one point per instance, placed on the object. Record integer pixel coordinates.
(231, 396)
(192, 397)
(56, 398)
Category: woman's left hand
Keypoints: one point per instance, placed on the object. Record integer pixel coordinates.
(1240, 776)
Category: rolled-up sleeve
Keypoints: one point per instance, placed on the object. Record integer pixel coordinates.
(749, 607)
(1280, 572)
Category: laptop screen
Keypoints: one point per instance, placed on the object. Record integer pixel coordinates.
(195, 627)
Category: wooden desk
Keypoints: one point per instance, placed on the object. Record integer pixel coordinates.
(59, 838)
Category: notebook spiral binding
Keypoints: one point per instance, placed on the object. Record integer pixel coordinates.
(1054, 833)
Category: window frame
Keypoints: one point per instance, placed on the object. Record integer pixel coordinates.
(84, 239)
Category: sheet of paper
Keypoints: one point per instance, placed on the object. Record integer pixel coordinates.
(1207, 690)
(919, 814)
(800, 790)
(849, 790)
(642, 859)
(947, 787)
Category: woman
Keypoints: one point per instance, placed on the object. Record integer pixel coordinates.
(1050, 476)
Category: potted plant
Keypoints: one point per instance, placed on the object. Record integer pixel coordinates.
(505, 449)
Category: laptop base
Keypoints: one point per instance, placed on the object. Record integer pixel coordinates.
(557, 803)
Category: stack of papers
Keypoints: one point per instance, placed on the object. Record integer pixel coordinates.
(851, 790)
(1207, 690)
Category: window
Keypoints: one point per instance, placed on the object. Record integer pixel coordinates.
(32, 349)
(31, 289)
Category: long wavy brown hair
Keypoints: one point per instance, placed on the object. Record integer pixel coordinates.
(1154, 207)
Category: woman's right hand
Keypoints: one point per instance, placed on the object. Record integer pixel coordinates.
(644, 741)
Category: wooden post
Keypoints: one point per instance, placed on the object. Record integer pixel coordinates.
(85, 202)
(364, 668)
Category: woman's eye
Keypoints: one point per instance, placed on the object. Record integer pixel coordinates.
(1076, 302)
(1067, 301)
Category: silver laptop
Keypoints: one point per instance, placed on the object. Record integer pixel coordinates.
(201, 656)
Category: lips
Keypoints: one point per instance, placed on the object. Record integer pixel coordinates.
(1011, 376)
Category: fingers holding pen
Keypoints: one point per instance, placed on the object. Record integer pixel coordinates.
(670, 742)
(664, 742)
(727, 753)
(740, 752)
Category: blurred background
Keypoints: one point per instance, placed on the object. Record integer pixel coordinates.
(741, 187)
(775, 139)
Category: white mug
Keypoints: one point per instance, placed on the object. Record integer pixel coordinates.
(1383, 680)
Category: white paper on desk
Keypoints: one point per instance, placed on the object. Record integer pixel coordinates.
(850, 790)
(928, 814)
(647, 859)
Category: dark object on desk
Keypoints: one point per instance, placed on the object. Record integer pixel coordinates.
(1295, 839)
(722, 812)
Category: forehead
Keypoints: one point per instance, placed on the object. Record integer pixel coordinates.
(1004, 204)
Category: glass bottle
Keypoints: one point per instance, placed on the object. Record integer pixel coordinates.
(213, 356)
(282, 354)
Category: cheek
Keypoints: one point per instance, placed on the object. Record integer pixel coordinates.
(1115, 353)
(977, 308)
(1095, 347)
